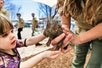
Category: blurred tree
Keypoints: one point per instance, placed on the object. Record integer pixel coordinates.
(12, 8)
(47, 11)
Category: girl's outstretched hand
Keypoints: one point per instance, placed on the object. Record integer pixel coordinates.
(51, 54)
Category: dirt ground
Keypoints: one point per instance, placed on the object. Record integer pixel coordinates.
(63, 61)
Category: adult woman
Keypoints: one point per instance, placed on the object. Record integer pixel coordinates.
(88, 17)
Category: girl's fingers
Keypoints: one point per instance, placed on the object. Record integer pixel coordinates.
(55, 54)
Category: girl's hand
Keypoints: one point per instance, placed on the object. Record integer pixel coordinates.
(51, 54)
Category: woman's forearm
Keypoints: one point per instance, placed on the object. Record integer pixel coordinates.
(65, 21)
(94, 33)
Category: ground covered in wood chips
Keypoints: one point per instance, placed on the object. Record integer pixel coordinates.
(62, 61)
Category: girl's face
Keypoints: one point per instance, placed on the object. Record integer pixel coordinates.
(8, 40)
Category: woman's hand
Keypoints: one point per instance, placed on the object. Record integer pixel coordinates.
(55, 41)
(68, 37)
(67, 41)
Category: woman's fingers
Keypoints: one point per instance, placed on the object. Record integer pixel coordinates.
(65, 47)
(63, 50)
(67, 39)
(57, 39)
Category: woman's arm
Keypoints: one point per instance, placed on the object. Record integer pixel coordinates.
(94, 33)
(66, 22)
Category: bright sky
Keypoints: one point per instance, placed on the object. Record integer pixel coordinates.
(29, 6)
(48, 2)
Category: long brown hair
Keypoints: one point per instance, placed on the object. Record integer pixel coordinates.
(60, 3)
(5, 24)
(92, 7)
(74, 6)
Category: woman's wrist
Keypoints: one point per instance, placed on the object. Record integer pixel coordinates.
(66, 27)
(76, 40)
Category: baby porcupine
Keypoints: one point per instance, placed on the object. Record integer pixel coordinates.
(53, 29)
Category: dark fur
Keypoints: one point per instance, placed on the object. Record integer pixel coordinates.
(53, 30)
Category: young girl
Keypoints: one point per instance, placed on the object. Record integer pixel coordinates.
(9, 56)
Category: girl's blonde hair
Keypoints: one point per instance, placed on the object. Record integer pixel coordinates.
(5, 24)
